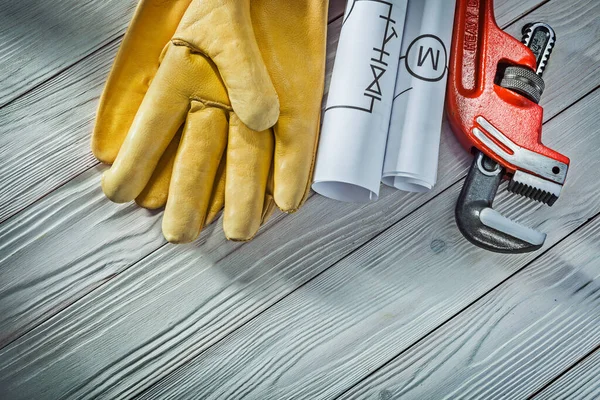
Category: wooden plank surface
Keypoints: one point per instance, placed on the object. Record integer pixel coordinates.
(348, 321)
(580, 383)
(512, 341)
(67, 245)
(47, 131)
(40, 39)
(24, 309)
(351, 319)
(122, 310)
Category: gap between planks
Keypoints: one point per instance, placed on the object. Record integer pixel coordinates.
(580, 382)
(415, 372)
(86, 287)
(54, 339)
(213, 363)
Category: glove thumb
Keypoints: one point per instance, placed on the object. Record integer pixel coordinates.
(222, 30)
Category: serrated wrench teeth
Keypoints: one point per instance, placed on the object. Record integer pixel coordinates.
(494, 87)
(534, 188)
(540, 38)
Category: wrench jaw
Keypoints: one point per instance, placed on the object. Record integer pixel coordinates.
(504, 134)
(480, 223)
(534, 188)
(540, 38)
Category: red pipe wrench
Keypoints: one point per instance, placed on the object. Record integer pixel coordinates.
(494, 86)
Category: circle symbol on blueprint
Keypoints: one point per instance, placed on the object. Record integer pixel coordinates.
(426, 58)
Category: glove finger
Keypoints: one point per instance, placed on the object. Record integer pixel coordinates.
(269, 204)
(196, 164)
(295, 147)
(161, 114)
(296, 64)
(218, 194)
(151, 28)
(249, 156)
(156, 191)
(227, 37)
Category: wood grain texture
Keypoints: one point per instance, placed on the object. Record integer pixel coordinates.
(255, 277)
(580, 383)
(39, 39)
(511, 342)
(372, 305)
(45, 139)
(46, 133)
(328, 334)
(75, 238)
(20, 278)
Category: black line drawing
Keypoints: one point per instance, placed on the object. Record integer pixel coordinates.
(378, 65)
(354, 2)
(427, 54)
(401, 93)
(435, 60)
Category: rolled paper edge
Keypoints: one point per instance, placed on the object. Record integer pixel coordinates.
(408, 182)
(345, 191)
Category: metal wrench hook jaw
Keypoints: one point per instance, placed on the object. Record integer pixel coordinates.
(505, 134)
(480, 223)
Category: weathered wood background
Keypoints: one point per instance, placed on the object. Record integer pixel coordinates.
(378, 301)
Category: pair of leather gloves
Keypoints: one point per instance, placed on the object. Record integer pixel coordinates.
(214, 104)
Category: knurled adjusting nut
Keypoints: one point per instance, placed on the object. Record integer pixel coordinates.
(523, 81)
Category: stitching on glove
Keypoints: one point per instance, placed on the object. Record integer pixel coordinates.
(211, 103)
(194, 49)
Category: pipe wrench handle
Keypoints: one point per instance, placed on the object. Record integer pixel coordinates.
(480, 54)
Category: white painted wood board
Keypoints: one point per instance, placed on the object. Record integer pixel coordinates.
(73, 252)
(581, 382)
(39, 39)
(319, 340)
(511, 342)
(453, 165)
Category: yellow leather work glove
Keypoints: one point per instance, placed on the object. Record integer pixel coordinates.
(153, 101)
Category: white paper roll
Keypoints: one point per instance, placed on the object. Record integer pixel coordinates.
(412, 150)
(356, 119)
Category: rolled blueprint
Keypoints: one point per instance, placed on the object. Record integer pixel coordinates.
(357, 115)
(411, 157)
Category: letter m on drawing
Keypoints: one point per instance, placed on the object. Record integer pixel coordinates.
(428, 54)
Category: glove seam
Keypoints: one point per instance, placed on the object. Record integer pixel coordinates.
(212, 103)
(183, 42)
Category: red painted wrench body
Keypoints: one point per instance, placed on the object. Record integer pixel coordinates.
(494, 84)
(479, 48)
